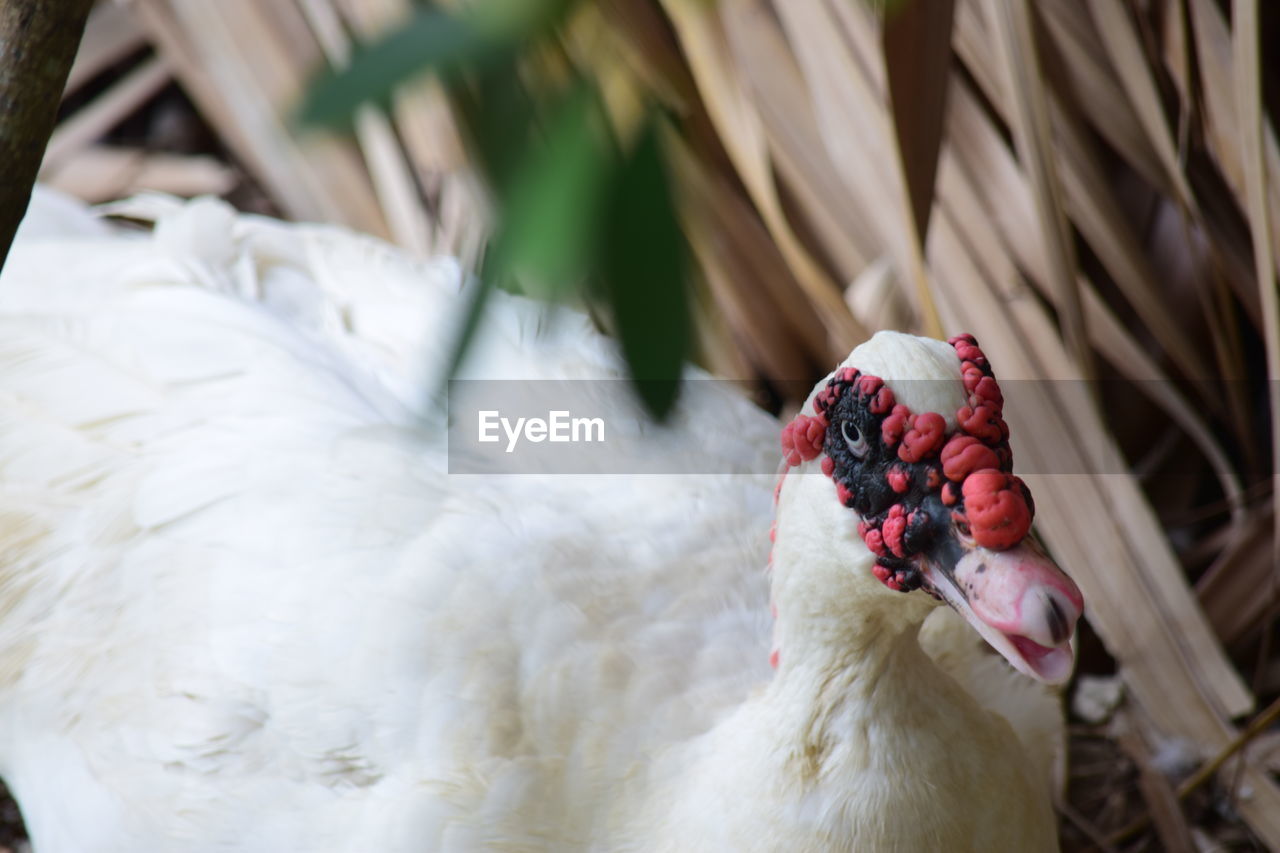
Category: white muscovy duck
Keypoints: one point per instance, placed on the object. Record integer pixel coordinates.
(243, 606)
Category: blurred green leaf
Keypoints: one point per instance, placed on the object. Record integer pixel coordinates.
(893, 7)
(569, 209)
(481, 35)
(498, 117)
(550, 225)
(431, 39)
(551, 212)
(644, 274)
(466, 332)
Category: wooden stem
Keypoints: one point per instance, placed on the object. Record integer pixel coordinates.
(38, 41)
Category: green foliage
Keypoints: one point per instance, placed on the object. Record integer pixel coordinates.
(644, 272)
(481, 35)
(553, 203)
(499, 117)
(890, 8)
(579, 213)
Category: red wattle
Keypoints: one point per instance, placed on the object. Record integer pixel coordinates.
(983, 422)
(892, 428)
(964, 454)
(802, 438)
(893, 529)
(924, 437)
(997, 512)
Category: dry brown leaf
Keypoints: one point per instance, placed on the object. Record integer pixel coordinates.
(245, 64)
(1014, 31)
(459, 208)
(916, 44)
(739, 127)
(101, 173)
(1162, 801)
(1221, 108)
(917, 59)
(391, 176)
(1090, 201)
(91, 123)
(798, 153)
(747, 273)
(1085, 64)
(1117, 32)
(110, 35)
(1249, 107)
(1004, 197)
(843, 70)
(1234, 591)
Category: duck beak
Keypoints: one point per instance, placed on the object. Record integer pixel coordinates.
(1017, 599)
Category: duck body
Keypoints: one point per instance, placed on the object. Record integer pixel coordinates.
(246, 606)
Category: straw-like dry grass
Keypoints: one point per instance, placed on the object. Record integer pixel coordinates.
(1106, 205)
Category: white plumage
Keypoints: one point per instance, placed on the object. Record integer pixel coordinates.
(243, 606)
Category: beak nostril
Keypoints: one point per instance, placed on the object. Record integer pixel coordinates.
(1059, 629)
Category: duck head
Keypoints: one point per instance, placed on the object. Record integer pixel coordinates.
(902, 457)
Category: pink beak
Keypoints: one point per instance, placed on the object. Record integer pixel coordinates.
(1021, 603)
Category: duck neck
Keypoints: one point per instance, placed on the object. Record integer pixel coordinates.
(847, 645)
(837, 681)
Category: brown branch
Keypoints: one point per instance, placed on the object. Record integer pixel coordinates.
(1206, 771)
(38, 41)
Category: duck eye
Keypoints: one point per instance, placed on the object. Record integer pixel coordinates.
(855, 440)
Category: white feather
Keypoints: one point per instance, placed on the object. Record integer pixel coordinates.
(242, 605)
